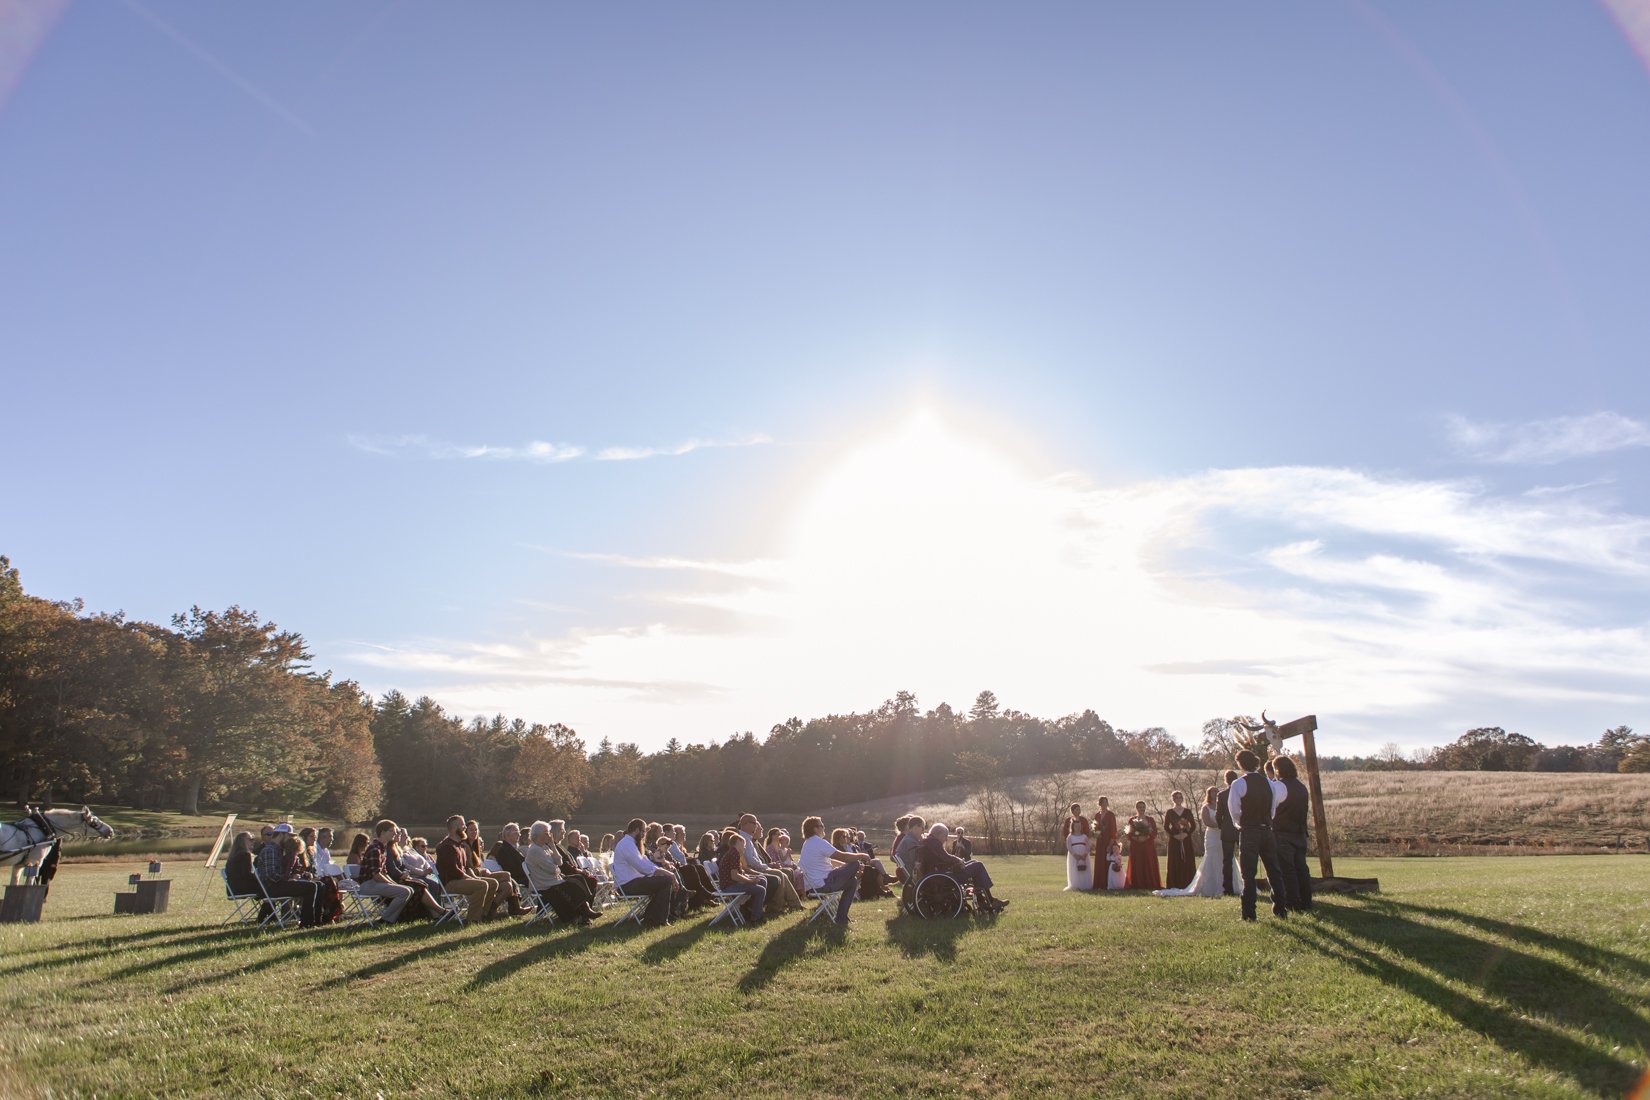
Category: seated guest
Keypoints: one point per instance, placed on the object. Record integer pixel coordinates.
(357, 845)
(694, 878)
(508, 890)
(543, 866)
(637, 876)
(415, 857)
(733, 877)
(452, 863)
(581, 882)
(373, 880)
(238, 867)
(782, 895)
(905, 848)
(507, 852)
(932, 856)
(893, 847)
(680, 833)
(273, 864)
(827, 869)
(383, 855)
(709, 845)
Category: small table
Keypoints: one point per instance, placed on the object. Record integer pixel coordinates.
(22, 904)
(149, 896)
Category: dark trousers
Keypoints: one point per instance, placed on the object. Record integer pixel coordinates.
(844, 877)
(566, 900)
(973, 873)
(1228, 852)
(1292, 871)
(305, 892)
(657, 889)
(1258, 844)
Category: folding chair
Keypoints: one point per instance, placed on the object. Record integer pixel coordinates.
(281, 909)
(827, 904)
(453, 907)
(733, 907)
(359, 908)
(531, 897)
(633, 906)
(249, 908)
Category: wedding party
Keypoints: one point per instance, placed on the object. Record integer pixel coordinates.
(1256, 822)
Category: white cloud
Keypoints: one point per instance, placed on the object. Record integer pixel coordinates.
(1545, 442)
(420, 446)
(1394, 608)
(632, 454)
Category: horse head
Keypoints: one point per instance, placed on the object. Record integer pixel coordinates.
(81, 822)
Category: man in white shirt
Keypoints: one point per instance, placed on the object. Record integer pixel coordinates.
(1252, 800)
(637, 876)
(324, 866)
(827, 870)
(781, 894)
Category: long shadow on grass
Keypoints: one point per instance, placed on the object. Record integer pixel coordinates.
(558, 946)
(1542, 999)
(916, 937)
(1587, 954)
(74, 954)
(113, 943)
(214, 948)
(786, 948)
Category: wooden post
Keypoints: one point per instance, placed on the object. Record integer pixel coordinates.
(22, 903)
(1321, 820)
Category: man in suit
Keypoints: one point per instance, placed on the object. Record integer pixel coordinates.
(1105, 832)
(932, 857)
(1253, 799)
(1289, 823)
(1228, 835)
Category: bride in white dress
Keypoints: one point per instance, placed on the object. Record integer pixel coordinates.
(1079, 850)
(1208, 883)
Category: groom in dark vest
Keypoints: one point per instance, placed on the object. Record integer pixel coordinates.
(1228, 835)
(1289, 824)
(1252, 800)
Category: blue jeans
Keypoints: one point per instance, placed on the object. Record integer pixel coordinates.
(844, 877)
(756, 897)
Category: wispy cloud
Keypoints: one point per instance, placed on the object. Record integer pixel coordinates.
(632, 454)
(421, 446)
(1544, 442)
(1399, 609)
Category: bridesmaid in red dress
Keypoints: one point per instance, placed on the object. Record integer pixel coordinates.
(1179, 824)
(1143, 872)
(1104, 828)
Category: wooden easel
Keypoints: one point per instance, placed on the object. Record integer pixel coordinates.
(212, 858)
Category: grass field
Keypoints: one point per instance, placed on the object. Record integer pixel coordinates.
(1518, 977)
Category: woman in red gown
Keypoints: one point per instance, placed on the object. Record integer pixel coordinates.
(1141, 830)
(1104, 828)
(1179, 824)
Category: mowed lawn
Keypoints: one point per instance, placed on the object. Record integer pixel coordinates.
(1464, 977)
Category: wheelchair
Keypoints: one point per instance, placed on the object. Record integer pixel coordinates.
(935, 896)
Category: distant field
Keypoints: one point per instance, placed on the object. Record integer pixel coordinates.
(1370, 813)
(1464, 978)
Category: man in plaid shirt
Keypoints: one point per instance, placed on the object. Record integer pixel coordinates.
(373, 882)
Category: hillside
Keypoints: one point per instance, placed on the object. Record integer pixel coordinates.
(1371, 813)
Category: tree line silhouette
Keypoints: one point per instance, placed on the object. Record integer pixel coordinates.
(224, 708)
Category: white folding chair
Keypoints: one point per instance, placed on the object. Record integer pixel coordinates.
(281, 909)
(248, 907)
(827, 904)
(733, 907)
(454, 907)
(633, 905)
(536, 901)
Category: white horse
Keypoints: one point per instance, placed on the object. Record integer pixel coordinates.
(21, 840)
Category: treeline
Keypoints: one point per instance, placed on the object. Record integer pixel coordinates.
(222, 707)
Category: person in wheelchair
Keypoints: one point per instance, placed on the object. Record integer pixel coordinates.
(932, 857)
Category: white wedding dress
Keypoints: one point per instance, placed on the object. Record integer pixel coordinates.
(1079, 871)
(1207, 883)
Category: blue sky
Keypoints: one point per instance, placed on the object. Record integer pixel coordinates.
(672, 370)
